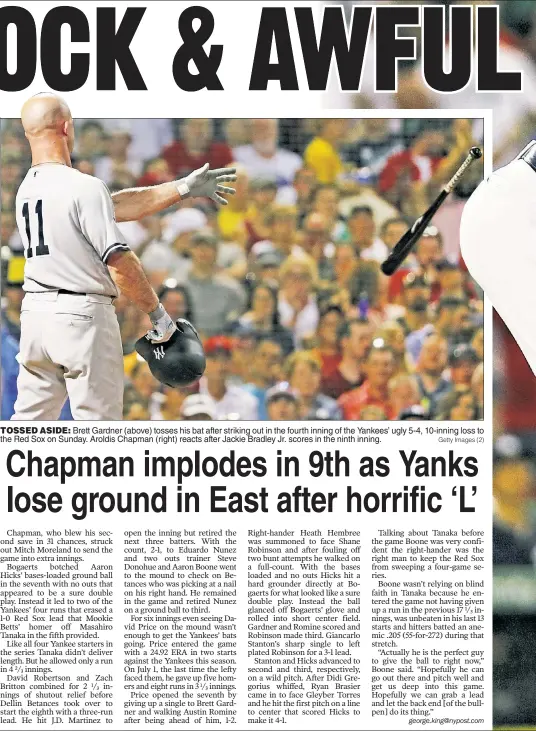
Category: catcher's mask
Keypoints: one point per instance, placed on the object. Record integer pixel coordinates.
(178, 362)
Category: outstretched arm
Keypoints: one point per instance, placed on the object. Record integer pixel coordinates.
(136, 203)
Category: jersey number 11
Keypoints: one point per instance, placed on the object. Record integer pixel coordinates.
(41, 249)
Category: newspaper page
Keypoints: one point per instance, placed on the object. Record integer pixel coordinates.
(238, 245)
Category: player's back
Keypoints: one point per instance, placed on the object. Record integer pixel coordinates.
(61, 215)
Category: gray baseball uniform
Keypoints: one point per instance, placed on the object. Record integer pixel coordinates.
(70, 341)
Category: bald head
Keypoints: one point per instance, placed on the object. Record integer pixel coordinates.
(44, 113)
(47, 119)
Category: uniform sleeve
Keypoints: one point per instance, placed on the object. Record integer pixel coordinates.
(97, 220)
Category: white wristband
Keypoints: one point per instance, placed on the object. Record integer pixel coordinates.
(182, 187)
(157, 313)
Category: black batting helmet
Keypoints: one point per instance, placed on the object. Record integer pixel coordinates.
(178, 362)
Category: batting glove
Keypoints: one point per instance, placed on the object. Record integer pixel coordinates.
(163, 326)
(207, 183)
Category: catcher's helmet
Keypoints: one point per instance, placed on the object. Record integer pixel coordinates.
(178, 362)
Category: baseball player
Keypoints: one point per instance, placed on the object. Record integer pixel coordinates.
(498, 244)
(76, 263)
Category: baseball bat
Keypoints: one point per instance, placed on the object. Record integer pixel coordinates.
(409, 239)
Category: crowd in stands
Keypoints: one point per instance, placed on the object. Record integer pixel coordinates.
(284, 284)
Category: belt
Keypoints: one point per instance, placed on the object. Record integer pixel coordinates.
(52, 295)
(529, 155)
(89, 295)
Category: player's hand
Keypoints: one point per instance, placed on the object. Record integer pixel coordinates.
(208, 184)
(163, 326)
